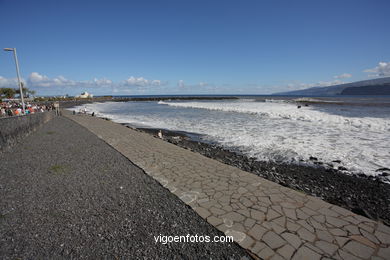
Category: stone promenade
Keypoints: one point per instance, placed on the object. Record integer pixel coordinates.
(272, 221)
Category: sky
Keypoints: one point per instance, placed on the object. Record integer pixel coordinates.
(151, 47)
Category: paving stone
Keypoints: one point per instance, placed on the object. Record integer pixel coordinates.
(234, 216)
(247, 203)
(266, 252)
(257, 247)
(338, 232)
(257, 232)
(247, 242)
(325, 235)
(306, 235)
(286, 251)
(305, 224)
(328, 212)
(237, 235)
(383, 237)
(347, 256)
(316, 225)
(288, 205)
(257, 215)
(271, 214)
(341, 211)
(214, 220)
(327, 247)
(314, 204)
(305, 253)
(292, 239)
(383, 228)
(358, 249)
(384, 252)
(366, 227)
(337, 222)
(309, 211)
(376, 258)
(244, 212)
(301, 214)
(278, 229)
(369, 236)
(292, 226)
(363, 240)
(280, 221)
(204, 213)
(273, 240)
(239, 227)
(242, 190)
(249, 222)
(290, 213)
(277, 257)
(314, 248)
(228, 222)
(275, 198)
(277, 208)
(341, 240)
(352, 229)
(352, 219)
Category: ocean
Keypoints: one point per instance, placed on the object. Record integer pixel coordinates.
(350, 133)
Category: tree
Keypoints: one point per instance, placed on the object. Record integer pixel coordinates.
(7, 92)
(26, 92)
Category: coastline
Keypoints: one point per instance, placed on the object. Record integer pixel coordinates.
(363, 195)
(72, 103)
(254, 210)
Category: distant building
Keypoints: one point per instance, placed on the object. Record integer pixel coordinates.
(85, 95)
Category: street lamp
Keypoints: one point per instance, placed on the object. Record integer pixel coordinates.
(18, 74)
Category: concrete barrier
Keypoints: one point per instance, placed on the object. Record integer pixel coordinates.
(12, 129)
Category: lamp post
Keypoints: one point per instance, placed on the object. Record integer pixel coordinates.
(18, 74)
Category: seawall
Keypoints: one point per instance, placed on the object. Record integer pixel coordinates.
(12, 129)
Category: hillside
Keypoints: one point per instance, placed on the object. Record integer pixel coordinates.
(367, 85)
(383, 89)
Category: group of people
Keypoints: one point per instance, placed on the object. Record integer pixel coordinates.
(14, 108)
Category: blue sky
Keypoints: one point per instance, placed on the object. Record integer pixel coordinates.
(192, 47)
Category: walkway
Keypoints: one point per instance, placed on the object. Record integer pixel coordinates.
(272, 221)
(66, 194)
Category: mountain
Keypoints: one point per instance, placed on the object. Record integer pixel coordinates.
(368, 87)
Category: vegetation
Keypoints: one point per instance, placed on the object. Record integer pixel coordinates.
(10, 92)
(7, 92)
(58, 169)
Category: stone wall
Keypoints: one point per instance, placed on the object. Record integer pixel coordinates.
(12, 129)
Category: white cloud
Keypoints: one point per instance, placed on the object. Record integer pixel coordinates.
(141, 82)
(8, 83)
(37, 80)
(343, 76)
(181, 84)
(382, 70)
(99, 82)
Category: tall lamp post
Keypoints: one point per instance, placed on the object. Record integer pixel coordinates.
(18, 74)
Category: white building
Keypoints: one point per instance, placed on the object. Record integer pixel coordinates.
(85, 95)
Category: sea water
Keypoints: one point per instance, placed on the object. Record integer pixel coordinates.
(354, 131)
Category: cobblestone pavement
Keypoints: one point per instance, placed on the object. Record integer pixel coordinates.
(272, 221)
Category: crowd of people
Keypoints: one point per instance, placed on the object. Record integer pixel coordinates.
(15, 108)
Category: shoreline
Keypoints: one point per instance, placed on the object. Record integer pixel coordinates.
(364, 195)
(77, 102)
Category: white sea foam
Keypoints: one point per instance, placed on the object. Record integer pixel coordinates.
(268, 131)
(286, 111)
